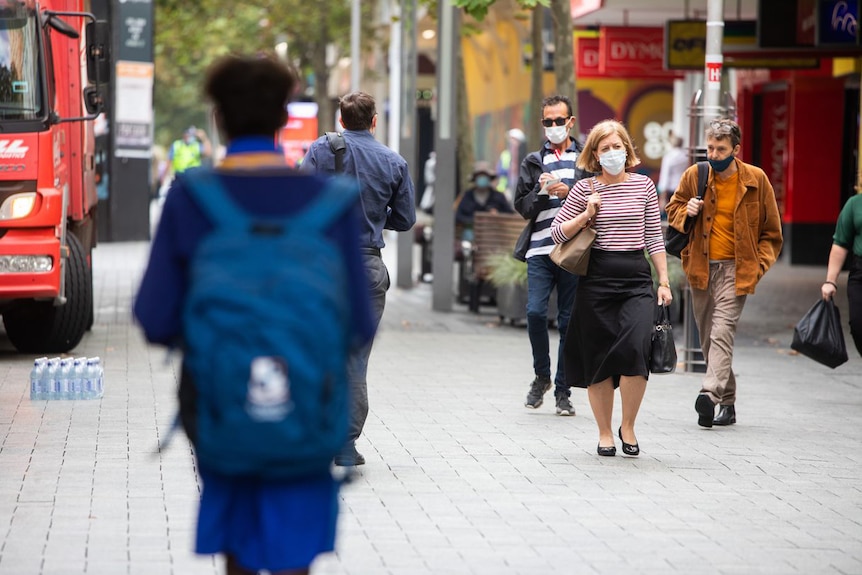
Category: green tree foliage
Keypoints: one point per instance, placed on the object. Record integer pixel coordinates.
(189, 36)
(478, 9)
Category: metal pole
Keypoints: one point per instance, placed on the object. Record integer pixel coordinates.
(714, 59)
(404, 273)
(355, 55)
(445, 146)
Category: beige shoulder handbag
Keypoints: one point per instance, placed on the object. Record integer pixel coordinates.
(574, 255)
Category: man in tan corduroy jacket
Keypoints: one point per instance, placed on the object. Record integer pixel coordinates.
(735, 238)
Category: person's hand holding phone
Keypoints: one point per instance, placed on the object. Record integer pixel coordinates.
(550, 185)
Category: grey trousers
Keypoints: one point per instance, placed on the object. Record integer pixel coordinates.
(357, 363)
(717, 310)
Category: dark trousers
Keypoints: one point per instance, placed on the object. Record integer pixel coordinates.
(357, 363)
(854, 296)
(542, 276)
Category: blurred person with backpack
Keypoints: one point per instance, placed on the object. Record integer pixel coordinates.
(388, 202)
(265, 313)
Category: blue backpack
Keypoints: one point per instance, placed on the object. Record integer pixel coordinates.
(266, 328)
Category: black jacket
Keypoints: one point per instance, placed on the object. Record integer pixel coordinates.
(528, 202)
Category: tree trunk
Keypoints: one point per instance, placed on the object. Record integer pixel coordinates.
(534, 127)
(564, 66)
(465, 127)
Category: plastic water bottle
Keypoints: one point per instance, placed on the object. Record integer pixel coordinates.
(65, 379)
(79, 369)
(95, 378)
(100, 372)
(36, 374)
(52, 372)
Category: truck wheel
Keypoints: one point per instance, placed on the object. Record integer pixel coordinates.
(41, 327)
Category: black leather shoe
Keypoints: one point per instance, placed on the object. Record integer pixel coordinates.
(349, 457)
(726, 415)
(628, 448)
(606, 451)
(705, 410)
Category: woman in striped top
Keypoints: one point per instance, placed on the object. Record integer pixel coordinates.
(608, 339)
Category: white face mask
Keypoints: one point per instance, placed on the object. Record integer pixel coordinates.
(613, 161)
(557, 134)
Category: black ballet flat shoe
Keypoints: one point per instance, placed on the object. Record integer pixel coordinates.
(628, 448)
(606, 451)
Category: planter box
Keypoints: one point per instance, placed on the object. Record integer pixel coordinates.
(512, 304)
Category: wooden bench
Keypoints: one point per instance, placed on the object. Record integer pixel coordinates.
(492, 234)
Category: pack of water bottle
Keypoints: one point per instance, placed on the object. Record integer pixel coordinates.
(67, 378)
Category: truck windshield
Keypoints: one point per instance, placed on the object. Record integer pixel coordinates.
(20, 89)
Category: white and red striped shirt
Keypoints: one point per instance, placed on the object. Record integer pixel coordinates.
(628, 220)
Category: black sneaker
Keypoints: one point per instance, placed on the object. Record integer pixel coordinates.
(538, 388)
(349, 457)
(564, 406)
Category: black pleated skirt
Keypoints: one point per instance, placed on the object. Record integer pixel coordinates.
(612, 320)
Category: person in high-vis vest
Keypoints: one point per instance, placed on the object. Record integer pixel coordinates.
(190, 151)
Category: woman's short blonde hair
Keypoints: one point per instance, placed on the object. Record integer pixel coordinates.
(587, 159)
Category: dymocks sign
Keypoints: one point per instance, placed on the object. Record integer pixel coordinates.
(633, 53)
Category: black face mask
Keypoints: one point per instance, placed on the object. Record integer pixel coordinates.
(721, 165)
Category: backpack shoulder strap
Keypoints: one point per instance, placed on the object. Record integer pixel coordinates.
(208, 192)
(334, 199)
(702, 177)
(338, 146)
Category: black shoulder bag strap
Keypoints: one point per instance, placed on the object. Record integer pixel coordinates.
(338, 147)
(702, 180)
(702, 177)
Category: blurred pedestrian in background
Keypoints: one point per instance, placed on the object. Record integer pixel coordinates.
(509, 162)
(673, 164)
(190, 151)
(480, 197)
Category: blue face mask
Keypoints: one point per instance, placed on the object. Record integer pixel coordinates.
(483, 182)
(721, 165)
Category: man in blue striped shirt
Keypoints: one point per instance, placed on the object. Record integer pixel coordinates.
(544, 181)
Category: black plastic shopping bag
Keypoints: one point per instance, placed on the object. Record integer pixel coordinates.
(819, 336)
(662, 353)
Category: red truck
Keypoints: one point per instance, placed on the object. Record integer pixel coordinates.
(54, 60)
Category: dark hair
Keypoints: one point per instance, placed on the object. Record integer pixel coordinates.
(357, 111)
(250, 94)
(724, 129)
(554, 100)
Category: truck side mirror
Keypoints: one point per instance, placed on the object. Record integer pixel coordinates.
(98, 52)
(94, 100)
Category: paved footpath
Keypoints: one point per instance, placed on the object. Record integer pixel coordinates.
(460, 477)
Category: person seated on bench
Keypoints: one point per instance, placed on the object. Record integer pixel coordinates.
(481, 197)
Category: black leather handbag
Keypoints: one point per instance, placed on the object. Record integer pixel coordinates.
(662, 353)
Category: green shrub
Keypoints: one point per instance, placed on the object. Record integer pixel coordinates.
(506, 270)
